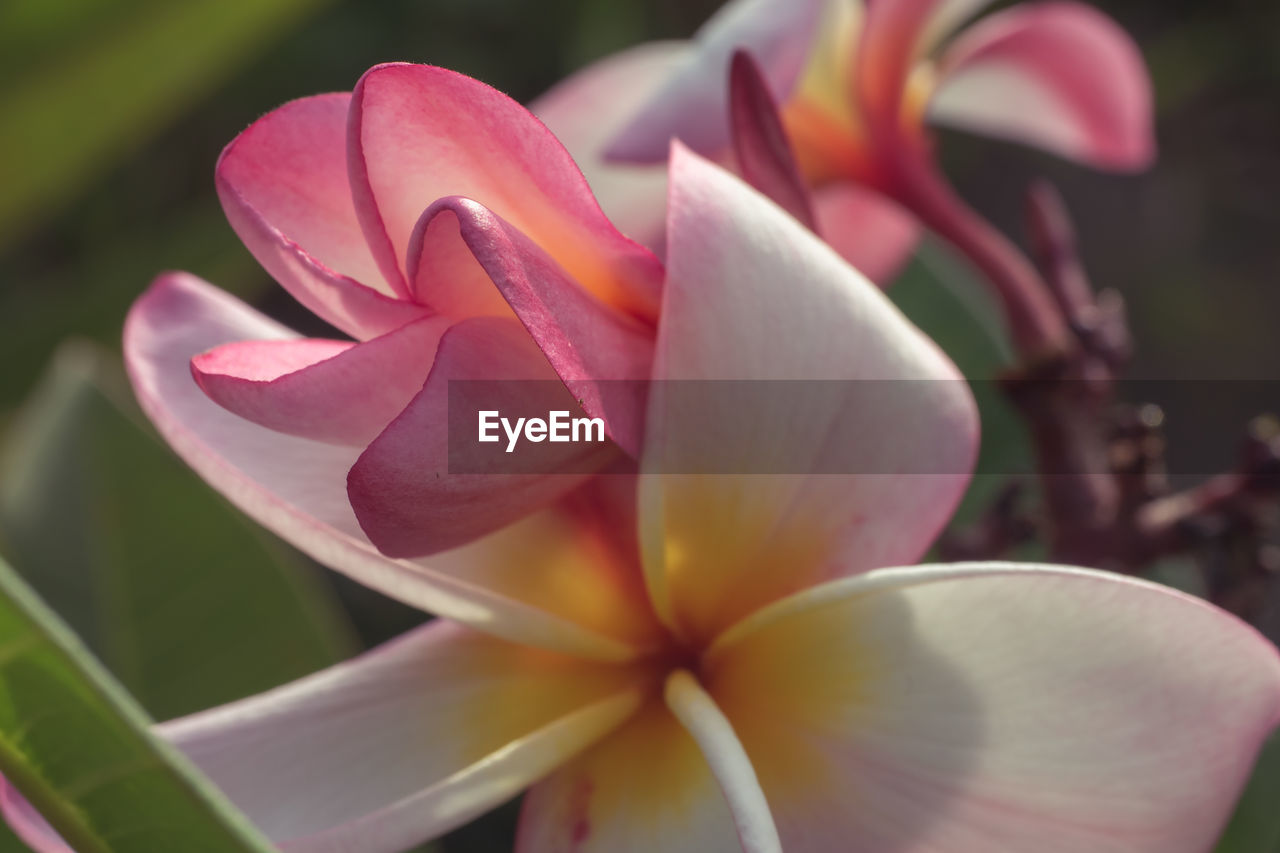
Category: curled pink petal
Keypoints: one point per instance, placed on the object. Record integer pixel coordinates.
(290, 168)
(403, 490)
(332, 391)
(419, 133)
(1058, 75)
(692, 105)
(283, 185)
(602, 354)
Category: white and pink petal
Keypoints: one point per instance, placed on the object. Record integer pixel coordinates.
(800, 428)
(405, 742)
(997, 707)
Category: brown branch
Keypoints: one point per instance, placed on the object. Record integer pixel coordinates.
(1101, 464)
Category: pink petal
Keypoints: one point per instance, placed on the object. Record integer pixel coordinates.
(405, 742)
(585, 339)
(296, 487)
(692, 105)
(419, 133)
(894, 37)
(1059, 75)
(867, 229)
(847, 447)
(760, 145)
(402, 489)
(890, 44)
(283, 184)
(587, 110)
(984, 707)
(332, 391)
(31, 829)
(645, 788)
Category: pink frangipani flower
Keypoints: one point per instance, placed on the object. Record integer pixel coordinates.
(745, 674)
(441, 226)
(855, 84)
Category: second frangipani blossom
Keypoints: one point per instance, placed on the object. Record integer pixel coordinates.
(855, 83)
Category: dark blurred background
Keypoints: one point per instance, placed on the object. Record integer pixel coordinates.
(113, 112)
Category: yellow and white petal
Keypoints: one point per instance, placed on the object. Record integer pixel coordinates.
(406, 742)
(975, 708)
(800, 428)
(577, 560)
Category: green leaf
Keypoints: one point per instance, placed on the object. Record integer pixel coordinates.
(86, 82)
(187, 602)
(1255, 827)
(941, 296)
(78, 747)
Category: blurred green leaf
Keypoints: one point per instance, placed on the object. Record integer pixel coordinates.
(183, 599)
(78, 747)
(1255, 828)
(94, 79)
(941, 296)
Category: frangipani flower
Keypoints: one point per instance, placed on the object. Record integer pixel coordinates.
(855, 83)
(755, 681)
(441, 226)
